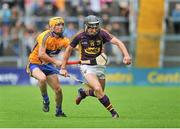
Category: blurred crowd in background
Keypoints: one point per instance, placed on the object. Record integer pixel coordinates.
(22, 20)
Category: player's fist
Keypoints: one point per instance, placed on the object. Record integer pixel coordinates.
(127, 60)
(58, 63)
(63, 72)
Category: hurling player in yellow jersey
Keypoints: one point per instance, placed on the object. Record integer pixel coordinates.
(41, 62)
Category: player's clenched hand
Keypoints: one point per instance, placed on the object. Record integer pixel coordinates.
(58, 63)
(127, 60)
(63, 72)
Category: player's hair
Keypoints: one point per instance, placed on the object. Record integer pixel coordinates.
(91, 21)
(55, 21)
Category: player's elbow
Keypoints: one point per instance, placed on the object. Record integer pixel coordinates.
(41, 55)
(68, 50)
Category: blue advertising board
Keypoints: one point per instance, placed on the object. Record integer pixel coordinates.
(18, 76)
(143, 77)
(115, 76)
(13, 76)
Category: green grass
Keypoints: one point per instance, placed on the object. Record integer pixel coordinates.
(139, 107)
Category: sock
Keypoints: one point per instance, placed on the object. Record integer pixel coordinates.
(107, 104)
(58, 109)
(45, 98)
(90, 93)
(82, 93)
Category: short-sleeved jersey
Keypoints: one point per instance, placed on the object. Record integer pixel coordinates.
(90, 46)
(52, 45)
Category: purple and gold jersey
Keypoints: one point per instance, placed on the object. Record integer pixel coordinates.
(52, 45)
(90, 46)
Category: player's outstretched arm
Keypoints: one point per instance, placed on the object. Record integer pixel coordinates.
(66, 56)
(122, 48)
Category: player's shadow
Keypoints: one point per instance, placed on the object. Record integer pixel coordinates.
(93, 117)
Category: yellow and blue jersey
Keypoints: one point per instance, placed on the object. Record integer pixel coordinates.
(52, 45)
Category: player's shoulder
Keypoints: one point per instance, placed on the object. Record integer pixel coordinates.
(45, 33)
(43, 36)
(102, 30)
(66, 39)
(78, 35)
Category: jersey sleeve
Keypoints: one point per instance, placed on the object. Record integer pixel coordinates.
(41, 39)
(66, 42)
(74, 42)
(106, 36)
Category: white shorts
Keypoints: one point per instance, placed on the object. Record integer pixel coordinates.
(98, 70)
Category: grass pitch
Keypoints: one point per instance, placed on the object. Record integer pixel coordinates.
(140, 107)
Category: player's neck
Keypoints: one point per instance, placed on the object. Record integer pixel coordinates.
(55, 35)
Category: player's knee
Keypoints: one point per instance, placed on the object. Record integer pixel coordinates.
(98, 89)
(57, 89)
(42, 79)
(99, 92)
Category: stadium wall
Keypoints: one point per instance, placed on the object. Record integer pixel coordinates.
(115, 77)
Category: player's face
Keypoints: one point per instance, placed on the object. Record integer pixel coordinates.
(92, 30)
(59, 28)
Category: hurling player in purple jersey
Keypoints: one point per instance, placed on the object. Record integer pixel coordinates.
(91, 41)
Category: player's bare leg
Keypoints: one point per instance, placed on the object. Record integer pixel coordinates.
(84, 92)
(55, 85)
(104, 99)
(41, 77)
